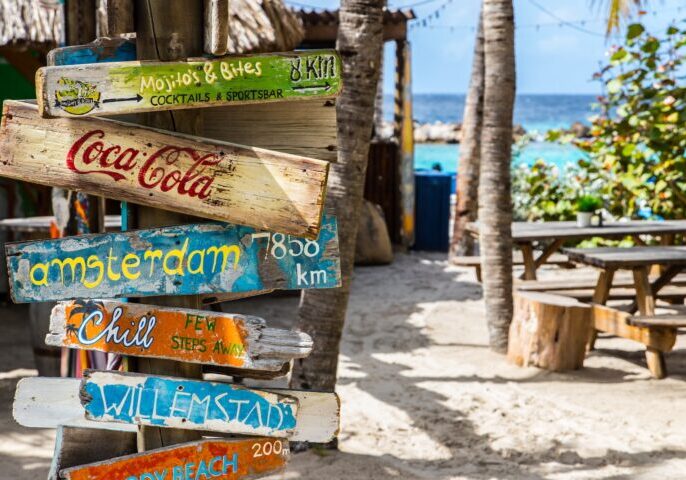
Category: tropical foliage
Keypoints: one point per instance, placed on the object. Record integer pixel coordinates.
(637, 144)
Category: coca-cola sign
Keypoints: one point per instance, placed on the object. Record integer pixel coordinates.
(184, 170)
(183, 173)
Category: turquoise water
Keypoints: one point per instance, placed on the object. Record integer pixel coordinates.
(426, 155)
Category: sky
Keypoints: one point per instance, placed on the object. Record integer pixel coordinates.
(550, 58)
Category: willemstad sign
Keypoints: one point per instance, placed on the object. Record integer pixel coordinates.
(126, 87)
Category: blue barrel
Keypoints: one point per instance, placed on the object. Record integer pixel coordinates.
(432, 210)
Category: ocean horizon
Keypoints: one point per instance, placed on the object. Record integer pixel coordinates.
(535, 112)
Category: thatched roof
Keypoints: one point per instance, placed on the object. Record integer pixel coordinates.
(33, 23)
(254, 26)
(263, 26)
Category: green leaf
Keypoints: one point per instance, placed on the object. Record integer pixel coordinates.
(634, 30)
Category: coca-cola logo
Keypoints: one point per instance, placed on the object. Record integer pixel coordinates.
(170, 168)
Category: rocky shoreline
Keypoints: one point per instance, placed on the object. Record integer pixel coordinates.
(439, 132)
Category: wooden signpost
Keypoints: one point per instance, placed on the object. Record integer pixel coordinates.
(133, 87)
(197, 336)
(41, 402)
(283, 103)
(204, 460)
(183, 260)
(182, 173)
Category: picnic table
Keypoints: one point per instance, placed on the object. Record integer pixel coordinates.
(554, 234)
(658, 337)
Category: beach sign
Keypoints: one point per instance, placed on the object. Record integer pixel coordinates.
(110, 400)
(181, 260)
(212, 179)
(186, 404)
(196, 336)
(203, 460)
(134, 87)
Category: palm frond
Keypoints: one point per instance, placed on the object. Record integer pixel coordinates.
(617, 10)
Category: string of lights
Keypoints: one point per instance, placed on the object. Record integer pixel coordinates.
(429, 21)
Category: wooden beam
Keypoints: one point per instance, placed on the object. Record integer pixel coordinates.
(317, 418)
(230, 459)
(616, 322)
(182, 173)
(196, 336)
(115, 17)
(216, 26)
(135, 87)
(167, 34)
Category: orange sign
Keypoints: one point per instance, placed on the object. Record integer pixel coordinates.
(197, 336)
(204, 460)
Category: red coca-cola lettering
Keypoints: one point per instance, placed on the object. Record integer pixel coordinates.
(155, 171)
(89, 154)
(112, 161)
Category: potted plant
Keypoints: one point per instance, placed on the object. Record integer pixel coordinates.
(586, 206)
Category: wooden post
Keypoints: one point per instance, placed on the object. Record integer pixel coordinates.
(404, 132)
(549, 331)
(168, 32)
(114, 17)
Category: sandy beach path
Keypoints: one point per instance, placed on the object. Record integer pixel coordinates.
(424, 397)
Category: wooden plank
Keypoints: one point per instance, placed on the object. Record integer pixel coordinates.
(306, 127)
(182, 260)
(186, 404)
(663, 320)
(181, 173)
(529, 263)
(79, 446)
(205, 459)
(186, 335)
(49, 402)
(216, 26)
(628, 258)
(115, 17)
(100, 50)
(616, 322)
(542, 231)
(134, 87)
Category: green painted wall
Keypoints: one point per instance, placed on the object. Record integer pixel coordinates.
(12, 84)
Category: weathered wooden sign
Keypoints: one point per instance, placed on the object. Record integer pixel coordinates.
(188, 404)
(202, 460)
(209, 178)
(41, 402)
(197, 336)
(183, 260)
(131, 87)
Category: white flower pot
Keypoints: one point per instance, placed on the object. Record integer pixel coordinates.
(583, 219)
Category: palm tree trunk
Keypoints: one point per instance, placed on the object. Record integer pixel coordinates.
(470, 154)
(322, 312)
(495, 202)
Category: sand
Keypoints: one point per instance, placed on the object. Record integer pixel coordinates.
(424, 398)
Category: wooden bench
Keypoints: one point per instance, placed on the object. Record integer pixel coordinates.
(558, 259)
(676, 320)
(670, 293)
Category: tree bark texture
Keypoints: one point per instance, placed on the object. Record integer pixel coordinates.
(495, 203)
(322, 313)
(467, 203)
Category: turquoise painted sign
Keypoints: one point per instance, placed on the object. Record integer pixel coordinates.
(188, 404)
(182, 260)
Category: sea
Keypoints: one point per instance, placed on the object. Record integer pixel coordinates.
(535, 112)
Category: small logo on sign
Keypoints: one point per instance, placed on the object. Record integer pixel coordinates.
(77, 97)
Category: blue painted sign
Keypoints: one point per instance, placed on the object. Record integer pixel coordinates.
(188, 404)
(99, 51)
(182, 260)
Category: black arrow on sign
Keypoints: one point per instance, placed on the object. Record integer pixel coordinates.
(326, 86)
(137, 98)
